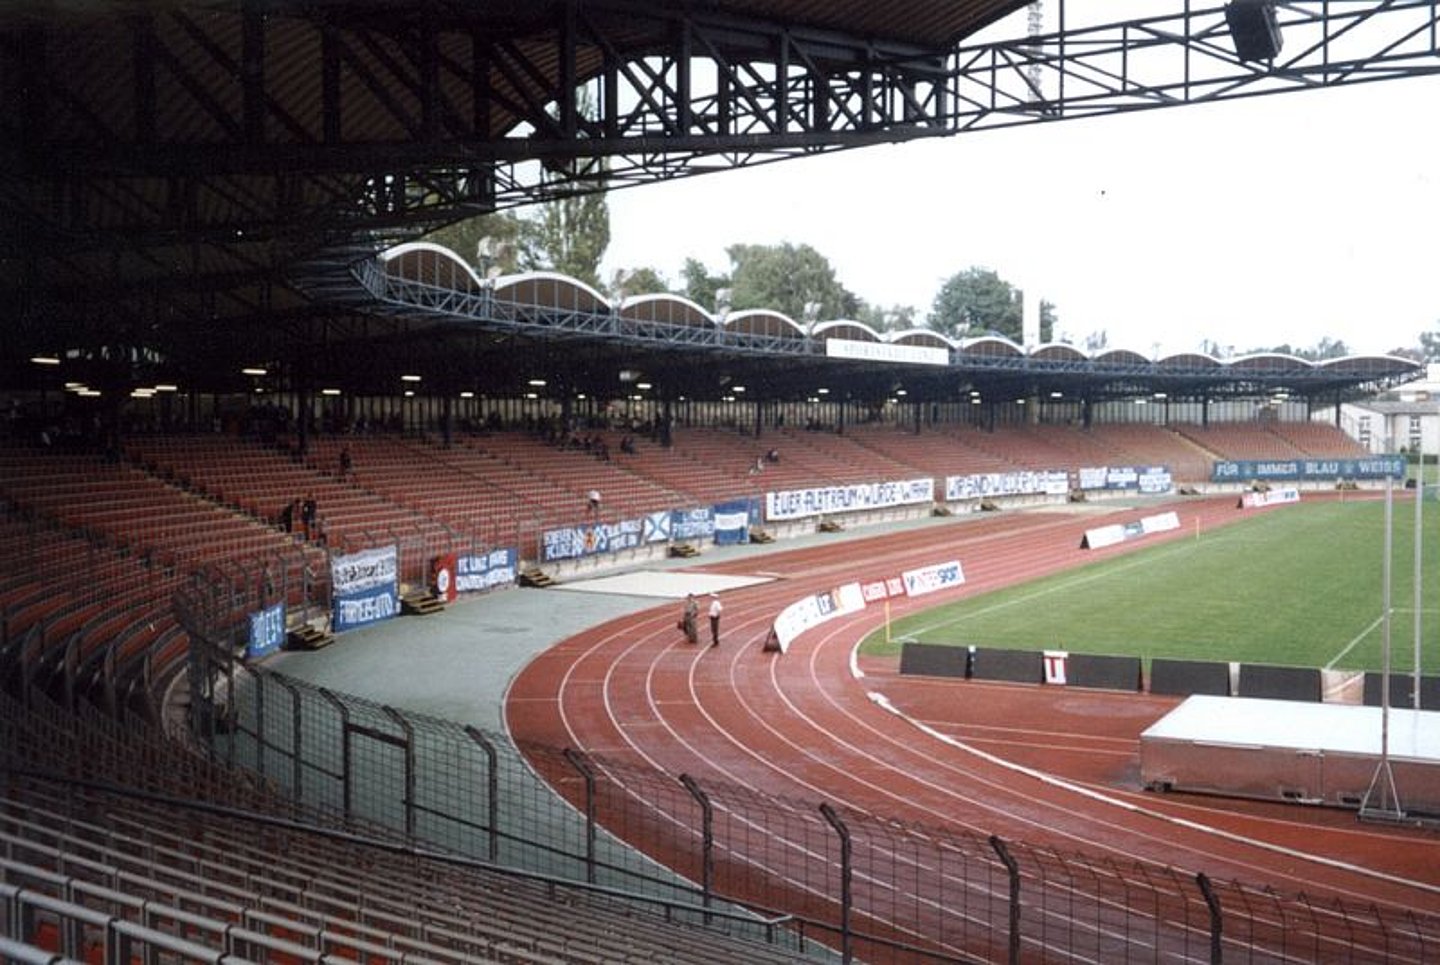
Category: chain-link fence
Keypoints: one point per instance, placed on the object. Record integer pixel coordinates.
(872, 889)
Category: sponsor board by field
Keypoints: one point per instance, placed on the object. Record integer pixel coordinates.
(1274, 497)
(1115, 533)
(811, 611)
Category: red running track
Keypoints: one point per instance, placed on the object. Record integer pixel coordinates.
(1047, 766)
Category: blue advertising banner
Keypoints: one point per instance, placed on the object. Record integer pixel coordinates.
(1155, 480)
(365, 587)
(698, 523)
(1315, 470)
(590, 539)
(267, 631)
(486, 570)
(731, 522)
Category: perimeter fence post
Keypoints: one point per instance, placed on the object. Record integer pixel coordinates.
(707, 839)
(409, 729)
(577, 761)
(259, 682)
(1217, 921)
(492, 788)
(829, 814)
(345, 791)
(296, 721)
(1012, 870)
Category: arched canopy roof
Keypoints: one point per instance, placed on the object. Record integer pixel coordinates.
(843, 328)
(429, 264)
(548, 289)
(991, 345)
(923, 337)
(1121, 356)
(666, 308)
(762, 321)
(1058, 352)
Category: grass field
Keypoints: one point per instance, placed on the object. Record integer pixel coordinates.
(1299, 585)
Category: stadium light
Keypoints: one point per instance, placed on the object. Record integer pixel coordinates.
(45, 359)
(643, 386)
(329, 391)
(253, 371)
(536, 383)
(166, 387)
(467, 394)
(409, 378)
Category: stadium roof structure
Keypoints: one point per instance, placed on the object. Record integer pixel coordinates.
(494, 335)
(194, 185)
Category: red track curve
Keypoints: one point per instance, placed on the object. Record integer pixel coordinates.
(1043, 765)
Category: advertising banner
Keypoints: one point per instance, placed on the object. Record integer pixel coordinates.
(697, 523)
(365, 587)
(442, 577)
(1309, 470)
(731, 522)
(855, 497)
(1103, 536)
(812, 611)
(657, 527)
(267, 631)
(1155, 480)
(1275, 497)
(1146, 479)
(475, 572)
(928, 579)
(590, 539)
(1049, 482)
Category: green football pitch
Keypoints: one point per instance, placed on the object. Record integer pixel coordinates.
(1297, 585)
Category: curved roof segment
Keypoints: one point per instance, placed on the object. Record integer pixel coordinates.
(545, 306)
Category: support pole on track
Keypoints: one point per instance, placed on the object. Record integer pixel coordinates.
(1382, 800)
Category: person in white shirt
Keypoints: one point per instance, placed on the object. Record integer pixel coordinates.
(715, 610)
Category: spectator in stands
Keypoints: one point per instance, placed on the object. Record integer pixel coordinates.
(690, 619)
(287, 516)
(758, 468)
(346, 463)
(308, 510)
(715, 611)
(627, 445)
(594, 497)
(772, 456)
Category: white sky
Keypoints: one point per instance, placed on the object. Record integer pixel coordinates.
(1256, 222)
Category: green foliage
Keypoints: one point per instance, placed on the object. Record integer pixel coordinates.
(489, 240)
(787, 278)
(896, 318)
(1298, 586)
(571, 236)
(977, 301)
(1326, 348)
(1430, 344)
(701, 287)
(637, 281)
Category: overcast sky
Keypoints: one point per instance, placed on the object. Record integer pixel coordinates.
(1252, 223)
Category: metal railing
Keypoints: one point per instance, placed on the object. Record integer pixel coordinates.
(874, 890)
